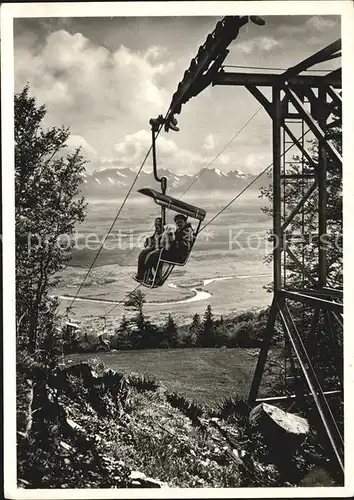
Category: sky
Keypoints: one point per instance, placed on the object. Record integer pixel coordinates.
(105, 77)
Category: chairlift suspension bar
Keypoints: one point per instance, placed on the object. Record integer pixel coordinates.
(155, 125)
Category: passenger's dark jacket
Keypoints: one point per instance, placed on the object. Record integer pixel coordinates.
(152, 241)
(184, 240)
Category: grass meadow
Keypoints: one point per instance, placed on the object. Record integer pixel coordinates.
(204, 375)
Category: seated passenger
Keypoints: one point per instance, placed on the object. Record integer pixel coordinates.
(151, 243)
(179, 248)
(184, 238)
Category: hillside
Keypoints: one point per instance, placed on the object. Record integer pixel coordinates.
(84, 426)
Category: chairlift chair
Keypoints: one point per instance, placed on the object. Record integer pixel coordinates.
(71, 327)
(181, 207)
(167, 202)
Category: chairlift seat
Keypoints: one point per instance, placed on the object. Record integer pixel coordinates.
(150, 280)
(72, 325)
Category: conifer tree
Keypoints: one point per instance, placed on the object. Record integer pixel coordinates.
(47, 210)
(123, 325)
(206, 337)
(170, 332)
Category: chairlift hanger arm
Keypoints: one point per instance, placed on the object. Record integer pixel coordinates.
(156, 123)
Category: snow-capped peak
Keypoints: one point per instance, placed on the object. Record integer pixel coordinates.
(238, 173)
(219, 172)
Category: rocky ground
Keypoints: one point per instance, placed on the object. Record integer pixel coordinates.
(84, 426)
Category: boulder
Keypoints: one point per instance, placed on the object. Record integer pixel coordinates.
(139, 480)
(281, 430)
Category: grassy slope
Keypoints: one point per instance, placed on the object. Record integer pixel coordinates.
(102, 427)
(203, 375)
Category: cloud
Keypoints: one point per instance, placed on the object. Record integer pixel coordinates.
(133, 147)
(223, 159)
(155, 52)
(209, 142)
(79, 80)
(258, 44)
(131, 150)
(320, 23)
(255, 162)
(317, 23)
(75, 141)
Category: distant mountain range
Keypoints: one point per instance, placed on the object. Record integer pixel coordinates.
(113, 182)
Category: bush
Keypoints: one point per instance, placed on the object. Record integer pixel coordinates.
(86, 343)
(142, 383)
(234, 407)
(121, 340)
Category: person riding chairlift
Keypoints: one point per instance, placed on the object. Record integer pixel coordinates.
(180, 247)
(151, 243)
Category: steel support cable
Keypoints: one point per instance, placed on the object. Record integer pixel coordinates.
(117, 304)
(232, 201)
(184, 192)
(219, 213)
(249, 185)
(115, 219)
(222, 150)
(198, 176)
(122, 301)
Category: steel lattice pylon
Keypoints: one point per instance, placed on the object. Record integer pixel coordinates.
(316, 108)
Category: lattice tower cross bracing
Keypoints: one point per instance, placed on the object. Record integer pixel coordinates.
(301, 106)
